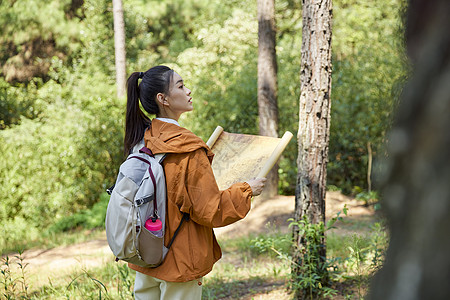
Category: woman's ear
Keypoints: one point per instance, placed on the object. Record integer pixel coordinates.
(161, 98)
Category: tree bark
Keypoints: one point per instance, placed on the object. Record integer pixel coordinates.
(416, 193)
(314, 116)
(119, 45)
(267, 83)
(314, 113)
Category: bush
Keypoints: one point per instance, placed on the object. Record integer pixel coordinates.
(59, 164)
(86, 218)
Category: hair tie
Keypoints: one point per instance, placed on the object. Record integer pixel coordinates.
(141, 74)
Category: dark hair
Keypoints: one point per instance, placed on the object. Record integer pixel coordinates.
(155, 80)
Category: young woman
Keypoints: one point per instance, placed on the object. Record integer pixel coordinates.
(191, 186)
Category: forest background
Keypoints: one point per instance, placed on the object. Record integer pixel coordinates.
(61, 124)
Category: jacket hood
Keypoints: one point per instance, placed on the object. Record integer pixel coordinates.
(163, 137)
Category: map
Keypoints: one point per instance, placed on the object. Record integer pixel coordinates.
(240, 157)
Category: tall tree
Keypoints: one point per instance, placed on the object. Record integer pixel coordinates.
(416, 195)
(267, 82)
(314, 120)
(119, 44)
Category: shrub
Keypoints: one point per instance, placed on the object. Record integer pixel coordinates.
(59, 164)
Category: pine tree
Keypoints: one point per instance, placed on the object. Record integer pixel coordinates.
(314, 124)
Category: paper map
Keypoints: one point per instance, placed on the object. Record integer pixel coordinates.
(240, 157)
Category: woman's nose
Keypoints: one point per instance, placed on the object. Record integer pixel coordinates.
(188, 91)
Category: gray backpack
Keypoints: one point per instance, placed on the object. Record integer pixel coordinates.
(138, 195)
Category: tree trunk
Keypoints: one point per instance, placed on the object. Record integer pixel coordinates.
(369, 166)
(314, 118)
(267, 83)
(416, 193)
(119, 44)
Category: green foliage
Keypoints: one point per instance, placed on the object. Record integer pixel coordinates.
(33, 32)
(8, 283)
(227, 96)
(288, 46)
(311, 271)
(368, 71)
(270, 245)
(369, 198)
(14, 285)
(366, 256)
(351, 259)
(96, 56)
(125, 281)
(86, 218)
(157, 31)
(18, 101)
(59, 163)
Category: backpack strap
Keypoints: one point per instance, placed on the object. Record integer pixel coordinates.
(155, 206)
(185, 218)
(146, 151)
(141, 159)
(160, 158)
(152, 176)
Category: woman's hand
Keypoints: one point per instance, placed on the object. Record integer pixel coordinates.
(257, 185)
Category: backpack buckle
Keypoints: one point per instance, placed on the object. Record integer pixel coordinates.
(110, 190)
(142, 201)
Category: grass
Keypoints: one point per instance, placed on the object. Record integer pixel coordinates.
(249, 269)
(109, 281)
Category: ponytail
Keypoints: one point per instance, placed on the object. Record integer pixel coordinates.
(136, 122)
(155, 80)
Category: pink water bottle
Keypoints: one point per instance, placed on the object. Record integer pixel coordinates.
(154, 227)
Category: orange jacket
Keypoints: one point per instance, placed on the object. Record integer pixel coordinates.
(191, 188)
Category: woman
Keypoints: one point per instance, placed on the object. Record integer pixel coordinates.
(191, 186)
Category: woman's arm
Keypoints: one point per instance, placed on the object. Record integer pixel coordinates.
(208, 205)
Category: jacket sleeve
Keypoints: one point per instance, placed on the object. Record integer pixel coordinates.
(205, 203)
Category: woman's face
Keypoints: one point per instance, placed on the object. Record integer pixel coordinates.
(179, 98)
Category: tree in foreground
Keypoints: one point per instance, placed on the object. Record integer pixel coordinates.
(416, 193)
(313, 137)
